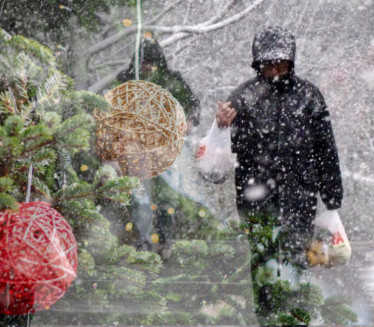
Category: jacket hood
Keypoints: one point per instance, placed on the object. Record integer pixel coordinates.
(152, 53)
(273, 43)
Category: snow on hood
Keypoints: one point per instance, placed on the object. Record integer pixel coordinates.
(273, 43)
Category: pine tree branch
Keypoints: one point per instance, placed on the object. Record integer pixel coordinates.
(6, 103)
(35, 148)
(13, 99)
(77, 196)
(50, 87)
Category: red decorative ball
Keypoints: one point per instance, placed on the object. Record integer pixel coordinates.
(38, 258)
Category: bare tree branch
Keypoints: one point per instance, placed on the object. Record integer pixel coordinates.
(203, 28)
(110, 40)
(170, 7)
(358, 177)
(128, 31)
(103, 82)
(180, 36)
(221, 13)
(370, 140)
(174, 38)
(184, 32)
(200, 28)
(110, 63)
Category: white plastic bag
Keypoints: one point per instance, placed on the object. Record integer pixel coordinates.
(214, 157)
(330, 237)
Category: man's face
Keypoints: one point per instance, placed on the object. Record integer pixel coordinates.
(146, 67)
(147, 70)
(275, 69)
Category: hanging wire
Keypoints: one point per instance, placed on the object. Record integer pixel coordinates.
(279, 268)
(28, 194)
(29, 182)
(2, 6)
(138, 36)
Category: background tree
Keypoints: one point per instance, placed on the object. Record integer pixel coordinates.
(48, 21)
(54, 22)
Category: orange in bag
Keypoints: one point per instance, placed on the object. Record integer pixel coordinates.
(330, 246)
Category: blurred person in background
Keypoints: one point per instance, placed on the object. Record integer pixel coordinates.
(158, 206)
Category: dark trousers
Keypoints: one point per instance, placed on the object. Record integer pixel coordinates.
(272, 247)
(15, 320)
(159, 195)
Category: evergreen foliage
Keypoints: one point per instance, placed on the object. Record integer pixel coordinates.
(47, 125)
(209, 279)
(39, 18)
(282, 302)
(336, 311)
(192, 219)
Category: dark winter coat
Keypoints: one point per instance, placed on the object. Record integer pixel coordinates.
(284, 143)
(151, 53)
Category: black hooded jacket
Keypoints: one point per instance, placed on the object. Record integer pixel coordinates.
(283, 139)
(151, 53)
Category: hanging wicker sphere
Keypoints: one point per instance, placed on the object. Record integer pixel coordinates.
(38, 258)
(144, 130)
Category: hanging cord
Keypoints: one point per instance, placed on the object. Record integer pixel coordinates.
(279, 269)
(28, 320)
(2, 6)
(29, 183)
(280, 253)
(27, 200)
(138, 37)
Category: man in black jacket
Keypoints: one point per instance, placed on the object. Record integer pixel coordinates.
(286, 153)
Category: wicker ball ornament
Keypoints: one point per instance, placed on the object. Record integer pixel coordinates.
(38, 258)
(144, 130)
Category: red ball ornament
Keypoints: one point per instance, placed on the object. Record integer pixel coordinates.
(38, 258)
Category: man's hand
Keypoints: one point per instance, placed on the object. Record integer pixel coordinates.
(225, 114)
